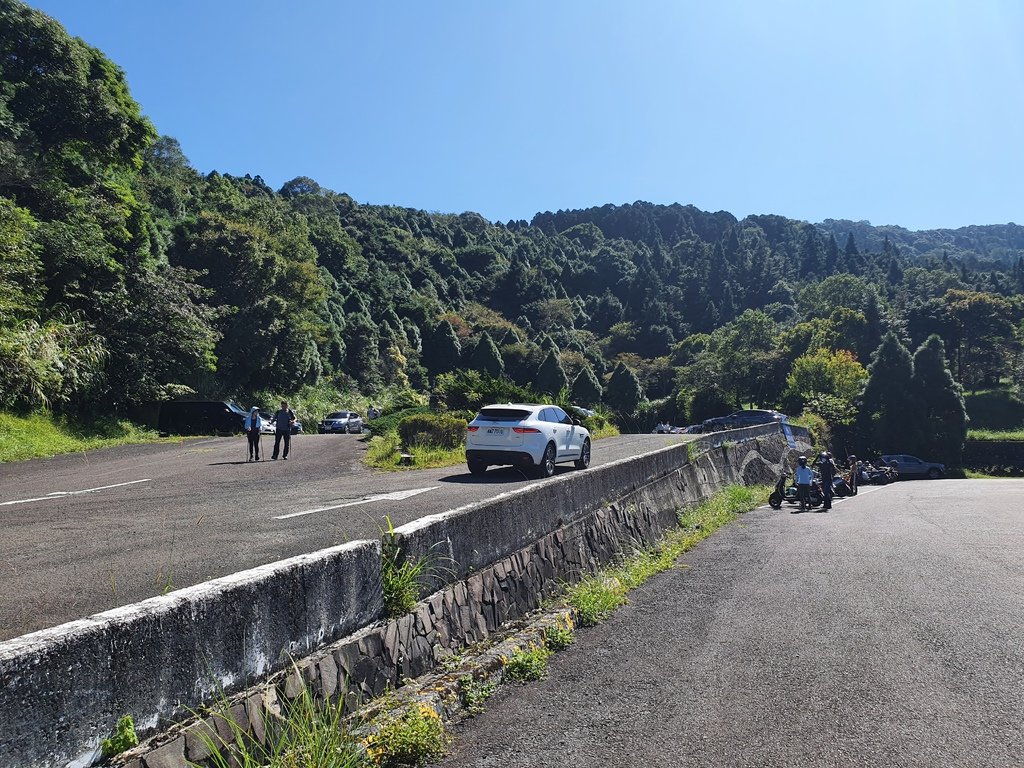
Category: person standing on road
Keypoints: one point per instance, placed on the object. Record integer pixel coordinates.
(827, 470)
(853, 474)
(253, 426)
(803, 476)
(283, 420)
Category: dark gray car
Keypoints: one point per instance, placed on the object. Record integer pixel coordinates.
(913, 468)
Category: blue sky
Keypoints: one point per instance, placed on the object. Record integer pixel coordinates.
(898, 112)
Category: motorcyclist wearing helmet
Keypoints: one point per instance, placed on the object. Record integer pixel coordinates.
(827, 470)
(803, 477)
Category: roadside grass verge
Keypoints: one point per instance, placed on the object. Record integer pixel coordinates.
(385, 452)
(995, 434)
(42, 434)
(973, 474)
(596, 597)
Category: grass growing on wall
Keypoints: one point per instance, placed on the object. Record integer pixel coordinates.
(596, 597)
(43, 434)
(995, 434)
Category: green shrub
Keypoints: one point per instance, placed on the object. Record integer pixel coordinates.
(412, 737)
(471, 390)
(473, 693)
(382, 425)
(438, 429)
(124, 738)
(530, 663)
(558, 638)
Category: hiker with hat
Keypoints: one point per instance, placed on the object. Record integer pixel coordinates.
(803, 477)
(853, 474)
(253, 427)
(827, 469)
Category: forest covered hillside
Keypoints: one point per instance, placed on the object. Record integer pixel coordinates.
(128, 276)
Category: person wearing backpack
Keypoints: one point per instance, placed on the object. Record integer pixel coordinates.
(253, 425)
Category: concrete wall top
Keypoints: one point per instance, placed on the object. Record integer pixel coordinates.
(468, 538)
(63, 689)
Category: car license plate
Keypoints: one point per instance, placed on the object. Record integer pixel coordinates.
(496, 430)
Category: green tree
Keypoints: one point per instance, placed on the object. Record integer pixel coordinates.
(586, 389)
(550, 376)
(441, 349)
(942, 404)
(623, 392)
(891, 412)
(486, 358)
(823, 372)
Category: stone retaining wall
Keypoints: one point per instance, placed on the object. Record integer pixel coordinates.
(473, 608)
(63, 689)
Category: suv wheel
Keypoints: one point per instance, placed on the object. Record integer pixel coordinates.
(546, 468)
(584, 460)
(476, 467)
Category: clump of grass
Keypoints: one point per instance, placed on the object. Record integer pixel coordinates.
(558, 638)
(43, 434)
(414, 736)
(473, 693)
(310, 733)
(402, 578)
(596, 597)
(529, 663)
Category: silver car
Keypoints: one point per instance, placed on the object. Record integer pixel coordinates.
(911, 467)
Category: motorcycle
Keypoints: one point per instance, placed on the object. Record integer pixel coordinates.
(788, 493)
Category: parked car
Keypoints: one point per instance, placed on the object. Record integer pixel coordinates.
(269, 427)
(910, 467)
(749, 418)
(340, 421)
(534, 437)
(200, 417)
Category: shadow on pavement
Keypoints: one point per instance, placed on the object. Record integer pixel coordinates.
(496, 476)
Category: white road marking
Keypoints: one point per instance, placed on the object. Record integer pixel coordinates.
(59, 494)
(395, 496)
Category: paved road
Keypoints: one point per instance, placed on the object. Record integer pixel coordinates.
(885, 633)
(165, 516)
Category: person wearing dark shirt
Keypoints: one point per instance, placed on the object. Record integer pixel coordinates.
(827, 470)
(283, 420)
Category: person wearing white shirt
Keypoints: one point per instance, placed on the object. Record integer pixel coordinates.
(803, 476)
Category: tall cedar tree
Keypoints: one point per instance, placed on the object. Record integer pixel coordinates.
(551, 376)
(486, 358)
(441, 349)
(586, 389)
(623, 393)
(945, 417)
(891, 411)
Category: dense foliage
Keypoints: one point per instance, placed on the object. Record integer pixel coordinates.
(127, 276)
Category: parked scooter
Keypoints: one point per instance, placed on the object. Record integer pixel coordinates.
(787, 492)
(777, 496)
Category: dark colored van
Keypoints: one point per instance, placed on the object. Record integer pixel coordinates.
(200, 417)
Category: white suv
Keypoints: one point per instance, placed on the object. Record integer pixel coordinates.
(532, 436)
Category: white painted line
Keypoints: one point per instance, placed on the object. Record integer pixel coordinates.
(59, 494)
(395, 496)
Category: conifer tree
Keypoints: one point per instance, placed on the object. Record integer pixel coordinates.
(891, 412)
(551, 376)
(586, 389)
(443, 352)
(624, 392)
(485, 357)
(942, 402)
